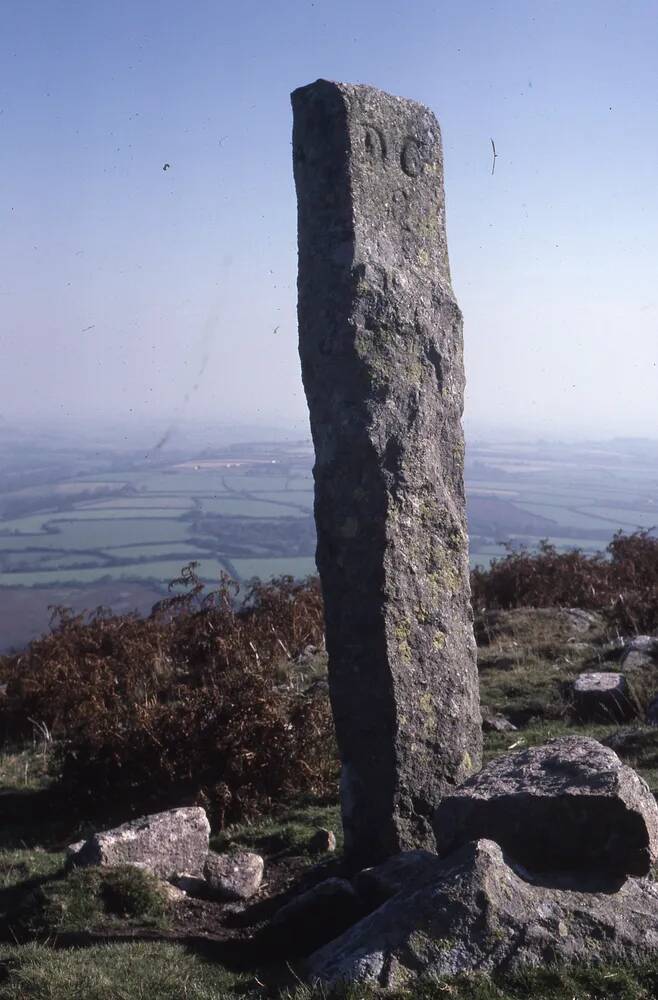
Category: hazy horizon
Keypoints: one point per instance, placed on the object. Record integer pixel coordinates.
(130, 293)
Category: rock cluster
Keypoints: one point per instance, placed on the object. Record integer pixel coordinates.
(477, 910)
(174, 845)
(538, 860)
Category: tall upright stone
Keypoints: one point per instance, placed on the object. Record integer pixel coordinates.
(380, 340)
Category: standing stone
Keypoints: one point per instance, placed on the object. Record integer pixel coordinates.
(380, 339)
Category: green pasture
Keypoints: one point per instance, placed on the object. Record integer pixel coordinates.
(563, 516)
(626, 516)
(28, 560)
(179, 550)
(300, 497)
(96, 533)
(154, 501)
(297, 566)
(239, 507)
(161, 571)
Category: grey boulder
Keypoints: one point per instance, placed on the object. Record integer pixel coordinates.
(570, 804)
(163, 843)
(234, 876)
(603, 697)
(479, 913)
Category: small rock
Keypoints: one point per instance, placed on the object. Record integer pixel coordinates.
(233, 876)
(191, 885)
(570, 804)
(163, 843)
(497, 724)
(322, 842)
(316, 916)
(73, 850)
(603, 697)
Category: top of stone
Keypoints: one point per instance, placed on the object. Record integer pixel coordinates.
(577, 762)
(355, 88)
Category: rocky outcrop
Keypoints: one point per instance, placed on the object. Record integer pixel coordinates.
(481, 912)
(568, 804)
(163, 843)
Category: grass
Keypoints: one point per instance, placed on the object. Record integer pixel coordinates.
(135, 971)
(165, 971)
(285, 835)
(90, 899)
(526, 661)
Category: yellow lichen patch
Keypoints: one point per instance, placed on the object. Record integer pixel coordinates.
(467, 762)
(425, 702)
(439, 640)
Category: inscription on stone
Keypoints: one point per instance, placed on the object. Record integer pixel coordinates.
(380, 339)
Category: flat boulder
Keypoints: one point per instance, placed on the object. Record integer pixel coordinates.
(479, 913)
(603, 697)
(570, 804)
(163, 843)
(233, 876)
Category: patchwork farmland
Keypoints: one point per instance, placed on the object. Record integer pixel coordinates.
(117, 532)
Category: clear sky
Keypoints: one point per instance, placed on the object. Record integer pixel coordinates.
(129, 291)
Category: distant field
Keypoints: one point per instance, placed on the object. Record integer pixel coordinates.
(267, 568)
(251, 517)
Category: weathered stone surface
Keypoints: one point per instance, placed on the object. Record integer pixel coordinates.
(163, 843)
(316, 916)
(568, 804)
(479, 913)
(237, 875)
(407, 871)
(380, 339)
(604, 697)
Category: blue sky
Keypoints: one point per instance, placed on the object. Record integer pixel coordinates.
(131, 292)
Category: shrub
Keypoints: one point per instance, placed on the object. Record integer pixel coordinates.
(622, 583)
(188, 704)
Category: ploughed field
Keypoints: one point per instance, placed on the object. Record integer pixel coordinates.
(79, 935)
